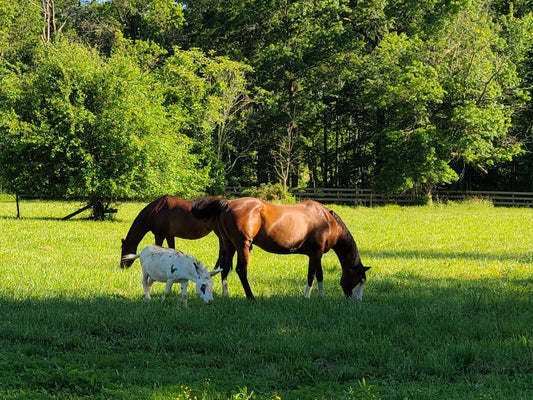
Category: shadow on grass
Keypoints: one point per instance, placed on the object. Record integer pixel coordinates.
(525, 257)
(424, 334)
(39, 219)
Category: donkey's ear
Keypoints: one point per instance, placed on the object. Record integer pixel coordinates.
(215, 271)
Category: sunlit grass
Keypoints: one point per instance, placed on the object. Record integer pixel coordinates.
(447, 313)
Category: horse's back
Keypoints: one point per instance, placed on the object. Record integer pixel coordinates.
(279, 228)
(168, 203)
(308, 213)
(171, 216)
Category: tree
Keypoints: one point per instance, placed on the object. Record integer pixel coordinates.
(206, 96)
(78, 125)
(442, 100)
(284, 158)
(155, 21)
(20, 26)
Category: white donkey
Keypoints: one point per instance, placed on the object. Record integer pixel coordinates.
(169, 265)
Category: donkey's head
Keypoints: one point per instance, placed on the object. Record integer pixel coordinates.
(204, 284)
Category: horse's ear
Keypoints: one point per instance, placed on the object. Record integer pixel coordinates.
(122, 240)
(198, 268)
(366, 268)
(215, 271)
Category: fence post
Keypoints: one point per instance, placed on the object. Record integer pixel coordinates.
(18, 208)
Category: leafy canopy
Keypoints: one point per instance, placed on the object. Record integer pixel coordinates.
(81, 125)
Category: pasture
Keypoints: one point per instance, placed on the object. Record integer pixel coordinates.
(447, 313)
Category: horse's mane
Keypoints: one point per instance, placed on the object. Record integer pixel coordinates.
(138, 222)
(346, 242)
(157, 205)
(208, 207)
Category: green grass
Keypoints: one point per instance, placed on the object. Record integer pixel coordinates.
(447, 313)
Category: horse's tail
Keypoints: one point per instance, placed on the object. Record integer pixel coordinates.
(130, 257)
(208, 208)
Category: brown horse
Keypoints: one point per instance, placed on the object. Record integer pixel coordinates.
(306, 228)
(167, 217)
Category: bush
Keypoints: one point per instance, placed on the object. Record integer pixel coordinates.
(81, 126)
(270, 192)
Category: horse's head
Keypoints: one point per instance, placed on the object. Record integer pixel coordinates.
(126, 250)
(353, 280)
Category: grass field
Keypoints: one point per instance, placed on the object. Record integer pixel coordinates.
(447, 313)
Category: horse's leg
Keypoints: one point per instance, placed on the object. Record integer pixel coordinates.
(171, 242)
(309, 286)
(320, 278)
(243, 256)
(220, 254)
(227, 251)
(159, 238)
(184, 293)
(315, 269)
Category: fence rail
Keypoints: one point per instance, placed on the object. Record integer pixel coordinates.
(504, 199)
(369, 198)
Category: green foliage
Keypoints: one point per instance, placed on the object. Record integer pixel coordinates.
(270, 192)
(158, 21)
(341, 77)
(416, 167)
(80, 126)
(205, 95)
(441, 99)
(20, 27)
(314, 92)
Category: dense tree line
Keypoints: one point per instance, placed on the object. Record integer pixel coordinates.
(139, 97)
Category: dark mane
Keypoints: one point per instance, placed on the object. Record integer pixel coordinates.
(158, 204)
(138, 222)
(346, 243)
(208, 207)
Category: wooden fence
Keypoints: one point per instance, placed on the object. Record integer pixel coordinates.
(369, 198)
(502, 199)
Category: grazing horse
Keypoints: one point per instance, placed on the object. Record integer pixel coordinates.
(305, 228)
(167, 217)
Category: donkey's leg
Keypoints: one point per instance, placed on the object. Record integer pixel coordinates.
(184, 293)
(147, 285)
(243, 257)
(168, 288)
(150, 283)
